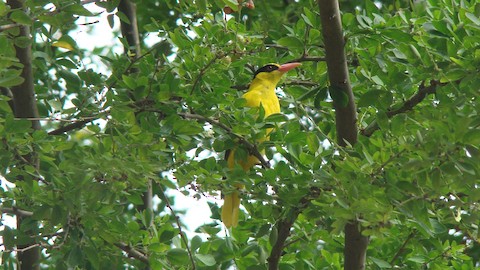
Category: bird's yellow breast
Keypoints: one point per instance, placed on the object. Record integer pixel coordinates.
(263, 94)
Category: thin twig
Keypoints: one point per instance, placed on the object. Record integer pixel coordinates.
(306, 58)
(390, 159)
(19, 250)
(444, 253)
(177, 220)
(402, 247)
(276, 46)
(204, 69)
(303, 83)
(53, 119)
(252, 148)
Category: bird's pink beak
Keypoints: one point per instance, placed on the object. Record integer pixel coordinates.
(286, 67)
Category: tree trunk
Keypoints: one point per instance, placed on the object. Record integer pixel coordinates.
(25, 106)
(130, 33)
(345, 115)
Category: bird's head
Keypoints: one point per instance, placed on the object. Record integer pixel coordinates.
(273, 72)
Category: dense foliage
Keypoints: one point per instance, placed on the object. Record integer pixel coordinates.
(411, 180)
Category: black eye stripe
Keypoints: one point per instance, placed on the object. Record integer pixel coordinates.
(267, 68)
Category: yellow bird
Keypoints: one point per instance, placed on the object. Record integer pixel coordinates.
(260, 93)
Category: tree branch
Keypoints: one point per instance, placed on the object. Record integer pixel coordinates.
(284, 227)
(16, 211)
(283, 231)
(72, 126)
(177, 220)
(252, 148)
(422, 93)
(306, 58)
(132, 252)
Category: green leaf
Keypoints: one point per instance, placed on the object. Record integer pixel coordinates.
(206, 259)
(276, 118)
(23, 41)
(339, 96)
(123, 17)
(72, 79)
(273, 236)
(307, 20)
(67, 63)
(380, 263)
(290, 42)
(20, 17)
(129, 81)
(11, 80)
(178, 257)
(8, 238)
(473, 18)
(111, 20)
(382, 120)
(167, 235)
(369, 98)
(473, 151)
(196, 242)
(472, 137)
(308, 94)
(78, 9)
(377, 80)
(233, 4)
(417, 259)
(3, 9)
(322, 95)
(75, 257)
(18, 125)
(453, 75)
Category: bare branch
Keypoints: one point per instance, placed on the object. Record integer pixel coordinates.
(306, 58)
(240, 87)
(76, 125)
(422, 93)
(302, 83)
(16, 211)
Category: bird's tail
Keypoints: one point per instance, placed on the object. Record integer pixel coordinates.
(231, 209)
